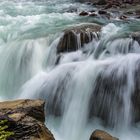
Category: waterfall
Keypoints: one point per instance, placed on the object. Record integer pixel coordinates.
(94, 86)
(80, 91)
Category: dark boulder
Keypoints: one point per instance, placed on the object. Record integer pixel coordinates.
(102, 12)
(83, 13)
(101, 135)
(69, 41)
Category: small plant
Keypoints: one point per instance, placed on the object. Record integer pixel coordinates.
(4, 133)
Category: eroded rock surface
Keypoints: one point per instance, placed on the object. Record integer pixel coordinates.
(25, 118)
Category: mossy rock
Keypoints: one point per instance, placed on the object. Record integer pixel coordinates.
(5, 133)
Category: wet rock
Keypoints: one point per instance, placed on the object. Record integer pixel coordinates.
(137, 12)
(129, 13)
(83, 13)
(136, 36)
(109, 5)
(101, 2)
(25, 119)
(69, 41)
(103, 97)
(123, 17)
(101, 135)
(102, 12)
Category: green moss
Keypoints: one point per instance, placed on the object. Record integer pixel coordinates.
(4, 134)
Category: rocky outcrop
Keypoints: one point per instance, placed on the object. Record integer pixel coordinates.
(75, 37)
(24, 119)
(101, 135)
(136, 36)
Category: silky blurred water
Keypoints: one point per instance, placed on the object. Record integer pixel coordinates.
(29, 35)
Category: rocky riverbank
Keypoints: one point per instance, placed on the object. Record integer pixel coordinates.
(23, 119)
(113, 9)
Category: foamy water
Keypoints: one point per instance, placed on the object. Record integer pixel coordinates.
(91, 84)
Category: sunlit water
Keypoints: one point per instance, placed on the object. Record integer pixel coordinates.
(83, 86)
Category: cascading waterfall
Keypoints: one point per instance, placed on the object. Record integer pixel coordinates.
(94, 87)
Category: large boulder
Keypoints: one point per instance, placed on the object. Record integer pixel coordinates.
(23, 119)
(101, 135)
(75, 37)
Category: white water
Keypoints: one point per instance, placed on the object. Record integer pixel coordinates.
(83, 87)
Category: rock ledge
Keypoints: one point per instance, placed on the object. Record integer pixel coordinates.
(25, 119)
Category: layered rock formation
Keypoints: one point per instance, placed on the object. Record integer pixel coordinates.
(24, 119)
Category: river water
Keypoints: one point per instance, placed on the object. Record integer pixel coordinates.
(83, 87)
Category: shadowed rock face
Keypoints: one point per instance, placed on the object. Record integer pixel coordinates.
(107, 100)
(136, 36)
(70, 41)
(25, 118)
(101, 135)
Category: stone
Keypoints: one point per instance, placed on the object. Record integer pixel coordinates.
(25, 119)
(136, 36)
(83, 13)
(102, 12)
(109, 5)
(101, 135)
(123, 17)
(69, 41)
(101, 2)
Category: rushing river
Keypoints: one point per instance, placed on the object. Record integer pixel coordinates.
(83, 85)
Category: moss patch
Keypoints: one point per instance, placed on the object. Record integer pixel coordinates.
(4, 133)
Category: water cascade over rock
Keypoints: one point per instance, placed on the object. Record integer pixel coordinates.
(100, 83)
(87, 72)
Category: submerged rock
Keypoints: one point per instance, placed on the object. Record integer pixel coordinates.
(25, 119)
(70, 40)
(101, 135)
